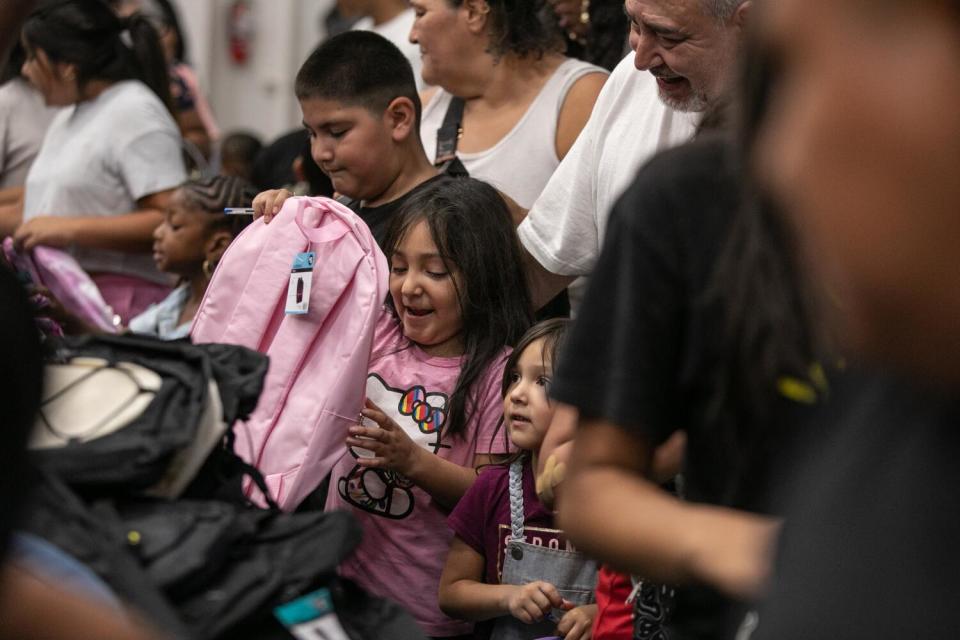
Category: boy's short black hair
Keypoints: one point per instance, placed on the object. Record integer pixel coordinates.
(359, 68)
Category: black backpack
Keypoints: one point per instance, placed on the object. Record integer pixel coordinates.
(211, 569)
(138, 455)
(207, 565)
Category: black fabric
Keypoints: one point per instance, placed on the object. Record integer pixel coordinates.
(288, 555)
(183, 544)
(22, 381)
(240, 374)
(645, 350)
(207, 569)
(379, 218)
(96, 537)
(448, 135)
(869, 549)
(645, 346)
(138, 455)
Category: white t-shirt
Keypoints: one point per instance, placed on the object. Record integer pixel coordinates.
(519, 164)
(565, 227)
(101, 156)
(397, 31)
(24, 119)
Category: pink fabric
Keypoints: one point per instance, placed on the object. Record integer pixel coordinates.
(67, 281)
(318, 361)
(405, 534)
(129, 296)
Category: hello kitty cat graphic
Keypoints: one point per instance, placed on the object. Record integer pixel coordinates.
(421, 415)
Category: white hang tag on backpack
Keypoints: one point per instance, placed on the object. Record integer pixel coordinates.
(301, 279)
(311, 617)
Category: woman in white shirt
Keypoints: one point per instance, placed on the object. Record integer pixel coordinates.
(524, 103)
(109, 164)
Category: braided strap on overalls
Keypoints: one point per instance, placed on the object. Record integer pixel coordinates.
(516, 499)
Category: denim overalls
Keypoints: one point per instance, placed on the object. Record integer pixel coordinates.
(574, 576)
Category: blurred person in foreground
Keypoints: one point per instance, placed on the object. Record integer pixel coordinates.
(862, 146)
(33, 606)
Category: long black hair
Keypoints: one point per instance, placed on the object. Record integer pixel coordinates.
(770, 326)
(475, 236)
(103, 46)
(165, 13)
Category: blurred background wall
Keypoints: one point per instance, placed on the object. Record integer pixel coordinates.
(257, 95)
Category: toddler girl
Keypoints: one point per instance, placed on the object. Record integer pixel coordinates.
(508, 563)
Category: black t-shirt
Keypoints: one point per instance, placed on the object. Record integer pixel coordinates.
(869, 549)
(646, 350)
(379, 218)
(646, 345)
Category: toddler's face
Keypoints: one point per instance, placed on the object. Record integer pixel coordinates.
(179, 241)
(424, 293)
(527, 411)
(351, 145)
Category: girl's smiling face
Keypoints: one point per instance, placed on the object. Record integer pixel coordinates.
(527, 411)
(424, 290)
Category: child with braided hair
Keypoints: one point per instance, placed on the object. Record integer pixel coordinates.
(188, 244)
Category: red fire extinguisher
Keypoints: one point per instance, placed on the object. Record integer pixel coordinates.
(240, 32)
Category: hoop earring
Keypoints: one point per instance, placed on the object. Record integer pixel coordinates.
(208, 268)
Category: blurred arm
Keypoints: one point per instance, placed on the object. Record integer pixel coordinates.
(611, 511)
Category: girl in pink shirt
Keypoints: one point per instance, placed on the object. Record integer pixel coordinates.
(457, 299)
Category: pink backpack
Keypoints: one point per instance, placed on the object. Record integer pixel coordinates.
(59, 272)
(318, 361)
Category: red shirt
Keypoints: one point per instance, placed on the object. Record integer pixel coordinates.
(614, 619)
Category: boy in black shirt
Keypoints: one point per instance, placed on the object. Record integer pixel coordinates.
(362, 113)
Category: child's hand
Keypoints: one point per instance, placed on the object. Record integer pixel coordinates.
(268, 203)
(577, 624)
(531, 602)
(392, 448)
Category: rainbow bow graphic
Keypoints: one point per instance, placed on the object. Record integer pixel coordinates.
(414, 404)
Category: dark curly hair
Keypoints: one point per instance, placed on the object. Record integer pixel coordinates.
(521, 27)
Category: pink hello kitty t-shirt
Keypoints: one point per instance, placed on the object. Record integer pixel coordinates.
(405, 533)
